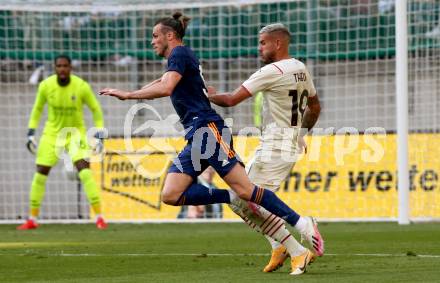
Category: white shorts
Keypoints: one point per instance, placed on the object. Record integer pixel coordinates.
(271, 164)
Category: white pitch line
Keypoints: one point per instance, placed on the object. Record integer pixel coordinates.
(207, 255)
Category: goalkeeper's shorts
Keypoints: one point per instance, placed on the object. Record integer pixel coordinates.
(51, 149)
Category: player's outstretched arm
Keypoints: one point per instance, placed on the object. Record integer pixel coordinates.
(158, 88)
(228, 99)
(152, 83)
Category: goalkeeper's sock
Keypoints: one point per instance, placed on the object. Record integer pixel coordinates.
(97, 209)
(37, 193)
(197, 194)
(272, 203)
(91, 189)
(33, 217)
(97, 216)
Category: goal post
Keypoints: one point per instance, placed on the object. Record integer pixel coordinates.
(402, 109)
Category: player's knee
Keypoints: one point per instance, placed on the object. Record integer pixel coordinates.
(244, 194)
(82, 164)
(43, 170)
(169, 198)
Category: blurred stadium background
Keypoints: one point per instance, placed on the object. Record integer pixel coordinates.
(348, 45)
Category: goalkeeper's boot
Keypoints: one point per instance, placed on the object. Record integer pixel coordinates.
(100, 223)
(28, 225)
(279, 255)
(313, 237)
(299, 263)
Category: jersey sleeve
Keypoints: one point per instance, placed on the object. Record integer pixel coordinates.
(38, 107)
(262, 79)
(90, 99)
(177, 62)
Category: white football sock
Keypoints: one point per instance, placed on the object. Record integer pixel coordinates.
(294, 248)
(233, 198)
(275, 228)
(272, 226)
(272, 242)
(301, 225)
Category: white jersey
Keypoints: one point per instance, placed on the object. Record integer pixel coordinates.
(286, 85)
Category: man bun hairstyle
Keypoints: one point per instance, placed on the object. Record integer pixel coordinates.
(176, 23)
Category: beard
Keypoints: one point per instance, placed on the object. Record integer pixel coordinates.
(268, 58)
(161, 52)
(63, 81)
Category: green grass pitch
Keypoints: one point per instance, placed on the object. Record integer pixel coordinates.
(356, 252)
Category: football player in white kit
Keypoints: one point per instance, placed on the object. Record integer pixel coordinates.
(290, 104)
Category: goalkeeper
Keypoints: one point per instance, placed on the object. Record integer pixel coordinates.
(65, 95)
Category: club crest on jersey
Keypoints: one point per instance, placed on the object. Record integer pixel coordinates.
(73, 97)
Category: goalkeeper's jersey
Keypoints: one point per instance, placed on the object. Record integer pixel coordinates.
(65, 105)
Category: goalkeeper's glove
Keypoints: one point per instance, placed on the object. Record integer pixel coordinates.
(31, 143)
(98, 147)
